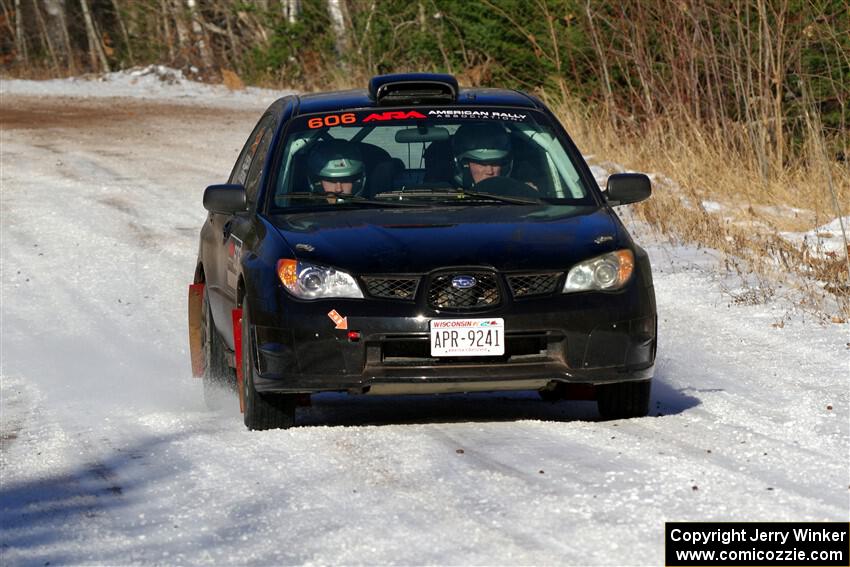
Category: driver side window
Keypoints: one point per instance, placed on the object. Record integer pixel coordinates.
(261, 141)
(249, 150)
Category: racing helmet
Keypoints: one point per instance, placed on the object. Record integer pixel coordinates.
(336, 160)
(481, 143)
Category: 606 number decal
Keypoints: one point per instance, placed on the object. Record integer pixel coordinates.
(331, 120)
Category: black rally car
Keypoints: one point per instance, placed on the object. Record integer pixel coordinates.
(416, 237)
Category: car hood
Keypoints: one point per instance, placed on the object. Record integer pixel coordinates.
(545, 237)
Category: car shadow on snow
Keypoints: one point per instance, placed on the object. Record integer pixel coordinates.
(344, 410)
(668, 400)
(44, 520)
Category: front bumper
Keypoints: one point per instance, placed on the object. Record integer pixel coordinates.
(588, 338)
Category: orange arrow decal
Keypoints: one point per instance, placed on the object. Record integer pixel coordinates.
(340, 321)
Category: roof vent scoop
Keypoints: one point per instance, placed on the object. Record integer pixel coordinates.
(413, 88)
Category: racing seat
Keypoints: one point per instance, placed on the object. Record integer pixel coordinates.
(383, 177)
(439, 162)
(530, 165)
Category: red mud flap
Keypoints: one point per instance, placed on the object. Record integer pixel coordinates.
(236, 314)
(196, 349)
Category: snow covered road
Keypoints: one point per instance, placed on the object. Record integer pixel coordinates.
(109, 456)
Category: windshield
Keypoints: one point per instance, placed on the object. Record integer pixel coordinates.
(425, 157)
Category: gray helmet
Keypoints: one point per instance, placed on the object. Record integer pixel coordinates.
(481, 143)
(336, 160)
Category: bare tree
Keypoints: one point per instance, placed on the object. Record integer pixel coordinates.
(291, 10)
(338, 13)
(7, 20)
(46, 41)
(96, 52)
(199, 37)
(179, 25)
(126, 35)
(20, 38)
(166, 28)
(57, 30)
(603, 63)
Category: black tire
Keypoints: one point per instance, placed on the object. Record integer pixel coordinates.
(262, 411)
(217, 374)
(623, 400)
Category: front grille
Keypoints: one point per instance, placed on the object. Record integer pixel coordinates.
(525, 285)
(483, 293)
(395, 287)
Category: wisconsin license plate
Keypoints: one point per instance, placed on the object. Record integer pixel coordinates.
(467, 337)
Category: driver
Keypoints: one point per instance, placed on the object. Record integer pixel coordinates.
(481, 151)
(336, 167)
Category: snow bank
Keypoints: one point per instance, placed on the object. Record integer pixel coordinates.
(151, 82)
(823, 241)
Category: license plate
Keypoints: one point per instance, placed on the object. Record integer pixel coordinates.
(467, 337)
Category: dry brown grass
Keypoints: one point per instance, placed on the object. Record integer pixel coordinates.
(231, 80)
(698, 168)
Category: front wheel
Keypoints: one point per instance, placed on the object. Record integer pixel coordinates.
(623, 400)
(262, 411)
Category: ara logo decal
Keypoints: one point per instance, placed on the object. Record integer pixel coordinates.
(393, 115)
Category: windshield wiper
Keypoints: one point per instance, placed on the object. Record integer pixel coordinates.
(457, 195)
(341, 199)
(500, 198)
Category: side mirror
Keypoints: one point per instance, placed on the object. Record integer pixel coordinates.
(626, 188)
(225, 199)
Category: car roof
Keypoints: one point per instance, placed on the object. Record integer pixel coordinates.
(360, 98)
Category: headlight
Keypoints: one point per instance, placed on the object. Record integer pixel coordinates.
(309, 281)
(607, 272)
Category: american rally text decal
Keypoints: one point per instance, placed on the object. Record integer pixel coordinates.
(477, 113)
(348, 118)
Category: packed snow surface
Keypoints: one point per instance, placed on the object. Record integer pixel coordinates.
(109, 456)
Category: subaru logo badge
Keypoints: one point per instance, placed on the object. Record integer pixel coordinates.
(463, 282)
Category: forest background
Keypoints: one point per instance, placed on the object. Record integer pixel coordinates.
(744, 105)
